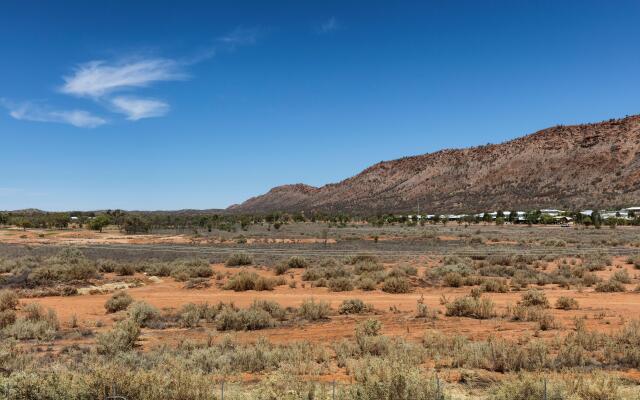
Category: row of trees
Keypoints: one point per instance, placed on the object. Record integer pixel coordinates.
(144, 222)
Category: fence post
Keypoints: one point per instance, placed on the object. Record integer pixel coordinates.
(545, 388)
(222, 391)
(334, 390)
(437, 387)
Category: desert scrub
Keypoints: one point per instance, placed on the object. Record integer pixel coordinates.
(248, 319)
(355, 306)
(244, 280)
(68, 265)
(494, 285)
(366, 284)
(453, 279)
(597, 262)
(239, 259)
(612, 285)
(341, 284)
(37, 323)
(467, 306)
(567, 303)
(145, 315)
(8, 300)
(183, 270)
(535, 298)
(121, 338)
(297, 262)
(593, 386)
(118, 302)
(396, 285)
(314, 311)
(621, 276)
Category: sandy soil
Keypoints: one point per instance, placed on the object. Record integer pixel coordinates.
(604, 311)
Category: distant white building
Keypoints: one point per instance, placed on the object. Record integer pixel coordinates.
(551, 212)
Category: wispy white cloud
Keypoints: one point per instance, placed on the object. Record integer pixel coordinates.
(99, 78)
(137, 108)
(329, 25)
(241, 37)
(35, 112)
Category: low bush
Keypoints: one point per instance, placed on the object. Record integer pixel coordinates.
(118, 302)
(244, 280)
(248, 319)
(36, 324)
(144, 314)
(621, 276)
(453, 279)
(354, 306)
(281, 269)
(567, 303)
(396, 285)
(535, 298)
(612, 285)
(8, 300)
(341, 284)
(124, 269)
(467, 306)
(314, 311)
(494, 285)
(239, 259)
(297, 262)
(121, 338)
(366, 284)
(7, 317)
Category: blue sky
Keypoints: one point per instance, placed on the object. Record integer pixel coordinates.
(167, 105)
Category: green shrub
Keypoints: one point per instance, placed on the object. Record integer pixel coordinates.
(567, 303)
(340, 284)
(144, 314)
(314, 311)
(36, 324)
(535, 298)
(244, 280)
(281, 269)
(297, 262)
(621, 276)
(8, 300)
(119, 301)
(124, 269)
(494, 286)
(354, 306)
(189, 316)
(121, 338)
(453, 279)
(396, 285)
(274, 309)
(467, 306)
(612, 285)
(68, 265)
(238, 320)
(364, 266)
(7, 317)
(366, 284)
(184, 270)
(239, 259)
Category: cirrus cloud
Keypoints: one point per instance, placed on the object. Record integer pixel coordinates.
(98, 78)
(34, 112)
(137, 108)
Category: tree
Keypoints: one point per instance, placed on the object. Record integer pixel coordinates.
(134, 224)
(99, 222)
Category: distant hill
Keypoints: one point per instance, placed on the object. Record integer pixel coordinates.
(579, 166)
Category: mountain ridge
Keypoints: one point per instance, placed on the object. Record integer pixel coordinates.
(574, 166)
